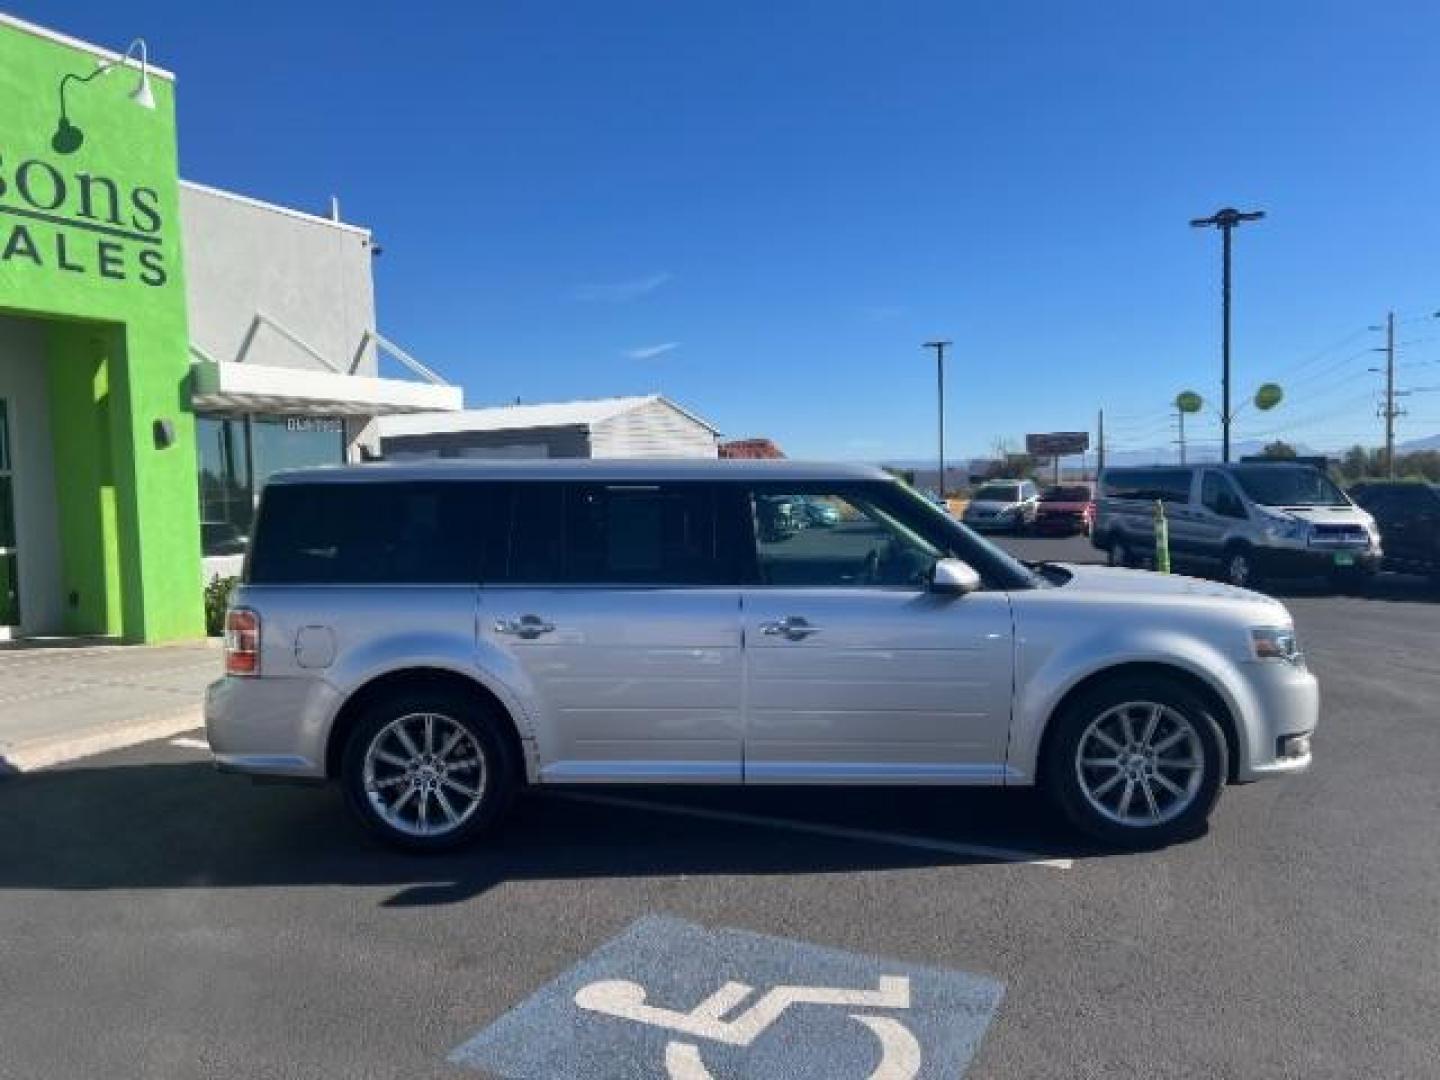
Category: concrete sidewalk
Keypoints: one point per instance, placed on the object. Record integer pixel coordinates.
(59, 702)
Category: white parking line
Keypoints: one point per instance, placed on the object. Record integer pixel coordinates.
(190, 744)
(870, 836)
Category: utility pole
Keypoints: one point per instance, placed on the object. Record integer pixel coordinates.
(1179, 412)
(940, 347)
(1100, 451)
(1225, 220)
(1390, 410)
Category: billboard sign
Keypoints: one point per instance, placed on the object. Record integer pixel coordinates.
(1057, 443)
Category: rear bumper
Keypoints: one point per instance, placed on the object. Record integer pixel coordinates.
(1066, 524)
(269, 726)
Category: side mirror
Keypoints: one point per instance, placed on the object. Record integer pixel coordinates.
(953, 577)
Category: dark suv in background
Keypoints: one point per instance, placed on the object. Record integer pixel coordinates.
(1408, 515)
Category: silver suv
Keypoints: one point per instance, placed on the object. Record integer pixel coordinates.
(434, 637)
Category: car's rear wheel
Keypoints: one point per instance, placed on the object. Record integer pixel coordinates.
(427, 770)
(1136, 761)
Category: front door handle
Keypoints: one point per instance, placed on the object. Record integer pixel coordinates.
(791, 627)
(528, 627)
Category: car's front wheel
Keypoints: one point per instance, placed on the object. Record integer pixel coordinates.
(1136, 762)
(427, 770)
(1119, 553)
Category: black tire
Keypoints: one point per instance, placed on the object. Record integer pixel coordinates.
(496, 780)
(1062, 775)
(1118, 552)
(1238, 567)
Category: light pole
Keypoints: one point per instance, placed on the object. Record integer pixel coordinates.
(1225, 220)
(940, 347)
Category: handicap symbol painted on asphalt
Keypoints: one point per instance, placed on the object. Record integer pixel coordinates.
(762, 1007)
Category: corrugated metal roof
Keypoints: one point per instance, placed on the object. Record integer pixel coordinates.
(521, 417)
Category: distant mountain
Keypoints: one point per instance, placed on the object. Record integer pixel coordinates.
(1429, 442)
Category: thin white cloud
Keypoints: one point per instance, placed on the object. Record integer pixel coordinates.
(652, 352)
(620, 292)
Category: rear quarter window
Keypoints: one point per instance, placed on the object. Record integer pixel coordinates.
(391, 532)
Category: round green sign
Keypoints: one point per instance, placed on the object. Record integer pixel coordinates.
(1268, 396)
(1189, 401)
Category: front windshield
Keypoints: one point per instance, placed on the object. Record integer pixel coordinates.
(1066, 493)
(998, 493)
(1276, 485)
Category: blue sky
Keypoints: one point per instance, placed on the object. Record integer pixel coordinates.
(762, 209)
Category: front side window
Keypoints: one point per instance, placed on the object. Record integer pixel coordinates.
(1219, 497)
(865, 544)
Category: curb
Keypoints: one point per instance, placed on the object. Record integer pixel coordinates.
(44, 755)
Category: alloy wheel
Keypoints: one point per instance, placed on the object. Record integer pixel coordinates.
(424, 774)
(1140, 764)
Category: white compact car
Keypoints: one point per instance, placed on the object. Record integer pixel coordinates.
(433, 637)
(1003, 505)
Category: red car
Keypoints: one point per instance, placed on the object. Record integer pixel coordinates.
(1066, 509)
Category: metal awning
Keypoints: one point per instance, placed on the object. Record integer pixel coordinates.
(326, 388)
(220, 386)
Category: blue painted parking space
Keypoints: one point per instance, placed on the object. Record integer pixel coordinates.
(672, 1000)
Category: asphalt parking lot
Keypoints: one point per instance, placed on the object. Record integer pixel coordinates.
(160, 920)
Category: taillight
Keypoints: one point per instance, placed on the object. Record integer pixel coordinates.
(242, 642)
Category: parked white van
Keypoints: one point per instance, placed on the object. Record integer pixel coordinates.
(1246, 522)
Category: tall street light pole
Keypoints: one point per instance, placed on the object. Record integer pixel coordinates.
(1225, 220)
(940, 347)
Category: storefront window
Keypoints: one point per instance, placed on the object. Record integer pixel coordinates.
(238, 454)
(294, 442)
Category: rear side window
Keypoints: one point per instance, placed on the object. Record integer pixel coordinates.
(1167, 485)
(615, 534)
(370, 533)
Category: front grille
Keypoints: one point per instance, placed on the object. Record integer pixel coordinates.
(1339, 535)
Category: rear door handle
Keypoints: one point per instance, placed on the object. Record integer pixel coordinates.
(791, 627)
(528, 627)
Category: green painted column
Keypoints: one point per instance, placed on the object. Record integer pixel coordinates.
(90, 242)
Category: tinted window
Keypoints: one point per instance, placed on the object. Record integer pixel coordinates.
(616, 534)
(641, 534)
(370, 533)
(1066, 493)
(1286, 485)
(1168, 485)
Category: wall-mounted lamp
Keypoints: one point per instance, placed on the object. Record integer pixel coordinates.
(164, 433)
(68, 138)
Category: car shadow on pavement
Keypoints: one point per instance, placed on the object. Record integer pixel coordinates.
(1392, 588)
(182, 825)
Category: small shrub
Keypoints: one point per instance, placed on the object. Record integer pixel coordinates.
(217, 600)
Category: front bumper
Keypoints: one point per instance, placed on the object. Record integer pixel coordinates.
(1285, 701)
(1009, 523)
(1314, 561)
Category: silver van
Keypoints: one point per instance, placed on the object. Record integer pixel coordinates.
(435, 637)
(1244, 522)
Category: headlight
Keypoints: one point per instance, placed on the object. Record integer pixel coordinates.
(1275, 643)
(1285, 528)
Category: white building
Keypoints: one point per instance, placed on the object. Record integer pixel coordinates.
(651, 426)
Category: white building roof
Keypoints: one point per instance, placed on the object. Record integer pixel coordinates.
(522, 417)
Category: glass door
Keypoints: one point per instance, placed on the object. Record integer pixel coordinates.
(9, 576)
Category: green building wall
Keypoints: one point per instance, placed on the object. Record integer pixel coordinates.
(102, 266)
